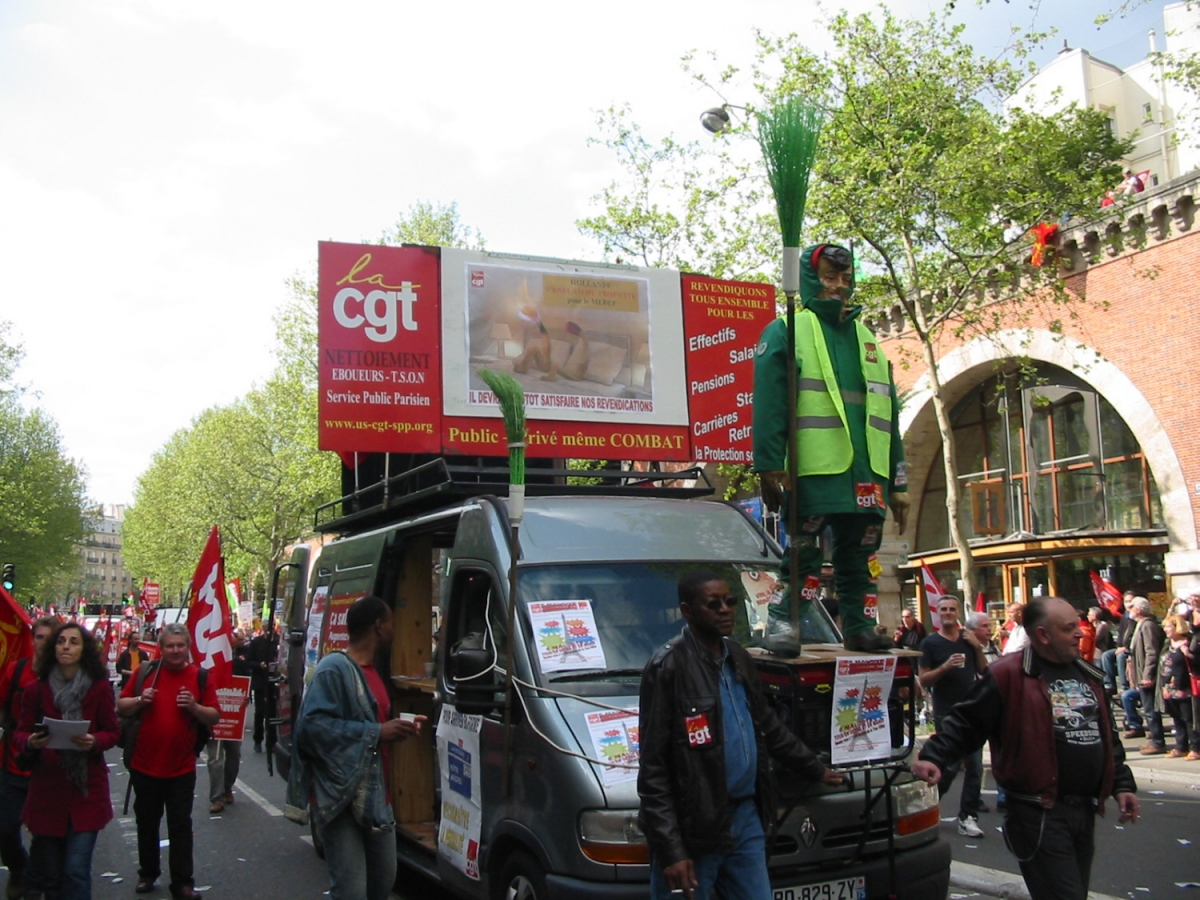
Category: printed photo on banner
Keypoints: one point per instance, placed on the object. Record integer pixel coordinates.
(570, 340)
(565, 632)
(615, 739)
(458, 760)
(861, 686)
(585, 342)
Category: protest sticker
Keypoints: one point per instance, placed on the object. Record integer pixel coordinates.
(615, 739)
(565, 631)
(462, 812)
(861, 686)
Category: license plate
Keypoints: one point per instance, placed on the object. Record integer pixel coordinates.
(842, 889)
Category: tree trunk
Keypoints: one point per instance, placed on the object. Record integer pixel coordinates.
(966, 558)
(916, 313)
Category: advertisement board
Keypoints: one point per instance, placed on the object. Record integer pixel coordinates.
(723, 321)
(616, 361)
(378, 371)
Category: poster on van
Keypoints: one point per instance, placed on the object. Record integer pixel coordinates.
(861, 731)
(616, 740)
(566, 635)
(462, 813)
(312, 637)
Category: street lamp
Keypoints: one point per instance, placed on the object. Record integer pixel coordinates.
(717, 120)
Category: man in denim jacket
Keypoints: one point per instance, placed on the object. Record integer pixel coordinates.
(340, 758)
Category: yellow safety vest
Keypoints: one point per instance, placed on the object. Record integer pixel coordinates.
(823, 438)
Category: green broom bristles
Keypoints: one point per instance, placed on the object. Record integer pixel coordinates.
(512, 406)
(788, 133)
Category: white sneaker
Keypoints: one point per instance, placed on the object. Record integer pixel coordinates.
(970, 827)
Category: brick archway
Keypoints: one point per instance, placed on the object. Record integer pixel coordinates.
(962, 369)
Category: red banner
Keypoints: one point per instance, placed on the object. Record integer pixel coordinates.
(231, 700)
(16, 631)
(379, 371)
(722, 322)
(208, 621)
(615, 362)
(1107, 594)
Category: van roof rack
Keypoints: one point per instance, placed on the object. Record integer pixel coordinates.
(437, 483)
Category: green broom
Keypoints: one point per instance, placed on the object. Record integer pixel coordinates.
(512, 407)
(788, 133)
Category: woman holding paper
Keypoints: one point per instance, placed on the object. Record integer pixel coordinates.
(68, 801)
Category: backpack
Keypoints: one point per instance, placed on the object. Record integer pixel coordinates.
(130, 725)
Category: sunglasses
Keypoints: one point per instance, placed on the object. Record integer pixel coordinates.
(717, 605)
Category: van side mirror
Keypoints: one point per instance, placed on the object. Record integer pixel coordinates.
(475, 682)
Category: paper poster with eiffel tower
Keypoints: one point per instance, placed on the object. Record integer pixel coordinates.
(861, 731)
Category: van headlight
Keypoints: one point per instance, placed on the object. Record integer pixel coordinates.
(612, 836)
(917, 807)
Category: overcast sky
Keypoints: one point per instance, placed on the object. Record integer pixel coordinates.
(166, 164)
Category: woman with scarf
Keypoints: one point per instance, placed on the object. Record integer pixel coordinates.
(68, 801)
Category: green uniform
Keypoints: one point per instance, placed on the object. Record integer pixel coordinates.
(852, 502)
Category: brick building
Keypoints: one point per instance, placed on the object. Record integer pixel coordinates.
(1095, 463)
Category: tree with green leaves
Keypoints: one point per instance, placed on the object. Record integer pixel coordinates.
(251, 468)
(918, 168)
(42, 490)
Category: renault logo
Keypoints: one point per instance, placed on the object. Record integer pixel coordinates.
(808, 832)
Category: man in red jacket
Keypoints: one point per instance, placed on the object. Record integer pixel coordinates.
(163, 768)
(14, 781)
(1054, 750)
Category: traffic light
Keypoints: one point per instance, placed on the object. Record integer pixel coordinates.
(9, 578)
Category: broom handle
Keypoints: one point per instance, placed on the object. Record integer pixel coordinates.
(793, 446)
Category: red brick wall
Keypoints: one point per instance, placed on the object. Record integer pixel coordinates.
(1150, 331)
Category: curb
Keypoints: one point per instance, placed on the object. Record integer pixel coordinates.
(996, 883)
(1146, 774)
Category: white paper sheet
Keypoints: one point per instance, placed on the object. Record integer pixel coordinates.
(62, 730)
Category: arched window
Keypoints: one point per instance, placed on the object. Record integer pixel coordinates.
(1039, 455)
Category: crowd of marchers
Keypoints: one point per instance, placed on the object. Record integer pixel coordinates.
(61, 714)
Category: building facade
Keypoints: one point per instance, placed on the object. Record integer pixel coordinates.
(102, 577)
(1141, 102)
(1077, 450)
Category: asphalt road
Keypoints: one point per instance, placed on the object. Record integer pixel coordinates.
(249, 851)
(1142, 861)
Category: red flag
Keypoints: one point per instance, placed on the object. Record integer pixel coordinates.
(16, 631)
(148, 599)
(209, 621)
(981, 603)
(1107, 594)
(934, 591)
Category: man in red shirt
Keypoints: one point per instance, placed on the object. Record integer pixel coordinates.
(14, 781)
(163, 768)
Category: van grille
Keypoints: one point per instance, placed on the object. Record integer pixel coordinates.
(849, 837)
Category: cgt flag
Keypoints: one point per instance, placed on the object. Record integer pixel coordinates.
(934, 591)
(209, 622)
(1108, 595)
(16, 631)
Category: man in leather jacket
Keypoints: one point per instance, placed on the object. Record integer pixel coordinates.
(705, 735)
(1054, 751)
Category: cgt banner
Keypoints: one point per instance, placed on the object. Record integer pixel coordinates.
(615, 361)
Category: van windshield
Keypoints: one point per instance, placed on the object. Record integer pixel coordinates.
(601, 623)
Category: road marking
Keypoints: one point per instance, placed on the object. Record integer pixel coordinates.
(307, 838)
(266, 805)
